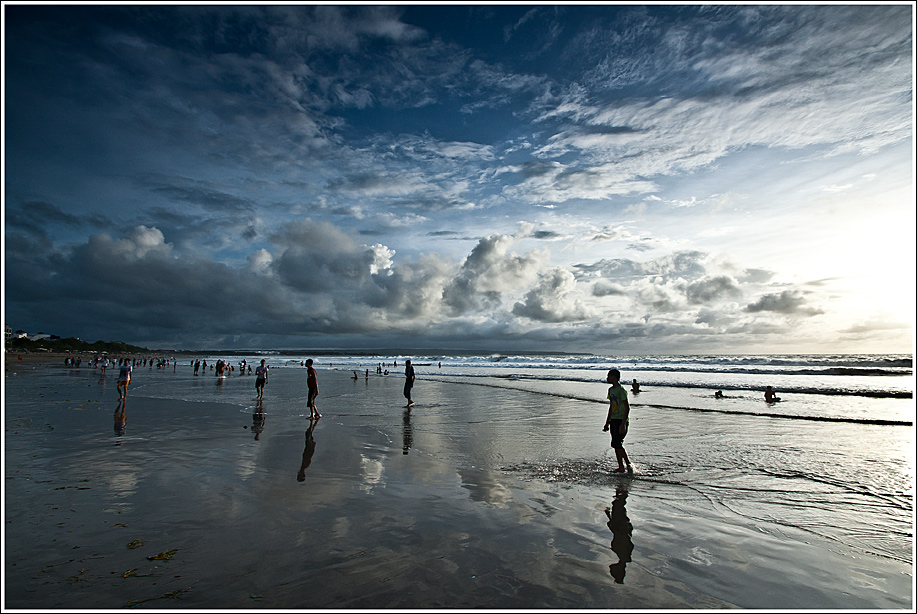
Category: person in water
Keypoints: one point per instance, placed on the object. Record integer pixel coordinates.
(617, 420)
(635, 387)
(770, 396)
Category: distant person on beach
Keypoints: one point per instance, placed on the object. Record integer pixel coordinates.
(617, 420)
(124, 378)
(408, 381)
(770, 396)
(718, 394)
(635, 387)
(312, 385)
(260, 378)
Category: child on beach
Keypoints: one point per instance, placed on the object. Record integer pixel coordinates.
(618, 414)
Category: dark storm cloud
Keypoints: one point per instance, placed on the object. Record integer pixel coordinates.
(787, 302)
(711, 289)
(37, 217)
(206, 198)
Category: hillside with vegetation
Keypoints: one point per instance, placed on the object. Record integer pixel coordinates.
(74, 345)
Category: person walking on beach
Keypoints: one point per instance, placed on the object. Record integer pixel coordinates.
(408, 382)
(617, 420)
(124, 378)
(312, 384)
(260, 378)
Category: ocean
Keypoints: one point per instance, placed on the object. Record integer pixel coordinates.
(494, 490)
(874, 389)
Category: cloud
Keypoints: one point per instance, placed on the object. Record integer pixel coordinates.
(550, 300)
(787, 302)
(754, 91)
(604, 287)
(295, 169)
(711, 289)
(488, 272)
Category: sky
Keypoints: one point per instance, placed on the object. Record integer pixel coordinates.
(579, 178)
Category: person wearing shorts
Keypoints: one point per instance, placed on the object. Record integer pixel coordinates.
(260, 378)
(617, 420)
(124, 378)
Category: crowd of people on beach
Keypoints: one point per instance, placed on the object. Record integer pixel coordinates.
(616, 421)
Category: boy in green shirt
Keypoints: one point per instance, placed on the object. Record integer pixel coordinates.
(616, 422)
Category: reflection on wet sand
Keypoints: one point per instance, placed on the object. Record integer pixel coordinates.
(307, 452)
(407, 432)
(258, 420)
(621, 529)
(120, 419)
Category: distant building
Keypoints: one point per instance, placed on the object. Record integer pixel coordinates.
(7, 332)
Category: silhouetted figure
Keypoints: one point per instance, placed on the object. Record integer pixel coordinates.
(312, 385)
(408, 381)
(635, 387)
(770, 396)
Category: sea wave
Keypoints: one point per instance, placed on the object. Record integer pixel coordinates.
(878, 393)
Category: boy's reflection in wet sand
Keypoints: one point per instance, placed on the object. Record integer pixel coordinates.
(307, 452)
(621, 529)
(258, 420)
(407, 432)
(120, 419)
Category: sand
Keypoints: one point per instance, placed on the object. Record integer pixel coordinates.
(476, 498)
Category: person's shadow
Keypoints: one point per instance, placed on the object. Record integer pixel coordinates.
(307, 452)
(621, 529)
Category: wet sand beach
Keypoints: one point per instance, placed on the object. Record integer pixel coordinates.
(196, 496)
